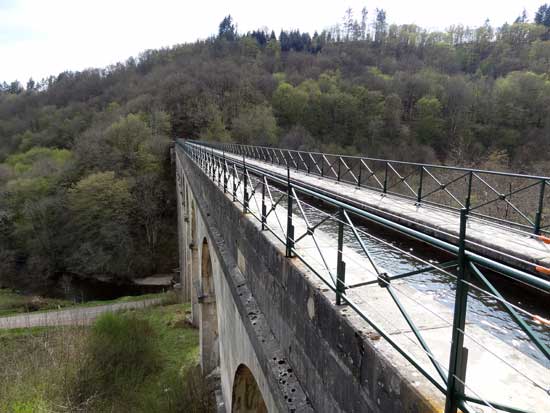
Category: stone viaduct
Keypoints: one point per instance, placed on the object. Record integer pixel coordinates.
(303, 319)
(271, 333)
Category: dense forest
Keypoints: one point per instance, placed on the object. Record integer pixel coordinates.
(85, 181)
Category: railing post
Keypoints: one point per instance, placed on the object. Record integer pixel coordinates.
(469, 194)
(459, 354)
(339, 167)
(340, 264)
(245, 187)
(360, 173)
(419, 193)
(264, 209)
(224, 174)
(289, 225)
(235, 184)
(386, 178)
(538, 216)
(213, 165)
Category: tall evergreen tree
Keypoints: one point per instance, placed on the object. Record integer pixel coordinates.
(227, 29)
(380, 26)
(543, 15)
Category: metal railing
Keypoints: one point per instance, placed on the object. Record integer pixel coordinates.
(516, 199)
(265, 196)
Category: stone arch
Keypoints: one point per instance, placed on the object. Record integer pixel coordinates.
(246, 397)
(209, 335)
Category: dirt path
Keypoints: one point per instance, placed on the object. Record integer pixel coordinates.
(74, 316)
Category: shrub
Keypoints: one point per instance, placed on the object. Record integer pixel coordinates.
(189, 393)
(120, 355)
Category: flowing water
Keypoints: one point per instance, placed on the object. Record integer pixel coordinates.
(483, 310)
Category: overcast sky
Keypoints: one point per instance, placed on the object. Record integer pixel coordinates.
(43, 37)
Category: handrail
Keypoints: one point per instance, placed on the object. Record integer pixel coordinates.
(515, 199)
(459, 168)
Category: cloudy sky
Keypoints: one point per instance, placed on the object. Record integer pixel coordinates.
(43, 37)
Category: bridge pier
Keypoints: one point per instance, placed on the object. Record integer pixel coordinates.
(183, 217)
(192, 278)
(208, 314)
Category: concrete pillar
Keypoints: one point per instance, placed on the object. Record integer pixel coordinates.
(194, 271)
(209, 336)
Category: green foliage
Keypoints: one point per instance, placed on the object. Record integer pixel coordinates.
(289, 104)
(24, 162)
(121, 354)
(216, 131)
(256, 126)
(100, 208)
(429, 124)
(523, 99)
(28, 189)
(127, 138)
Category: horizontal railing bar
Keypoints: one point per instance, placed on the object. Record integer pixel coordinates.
(427, 165)
(354, 180)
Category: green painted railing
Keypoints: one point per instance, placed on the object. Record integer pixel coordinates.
(247, 183)
(517, 199)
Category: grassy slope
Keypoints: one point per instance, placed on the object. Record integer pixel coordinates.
(12, 303)
(39, 365)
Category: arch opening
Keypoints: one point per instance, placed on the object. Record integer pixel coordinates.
(247, 397)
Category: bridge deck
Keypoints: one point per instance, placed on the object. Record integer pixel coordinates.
(493, 365)
(505, 244)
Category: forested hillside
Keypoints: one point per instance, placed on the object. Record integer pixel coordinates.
(85, 182)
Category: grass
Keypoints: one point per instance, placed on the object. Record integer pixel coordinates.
(137, 361)
(12, 303)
